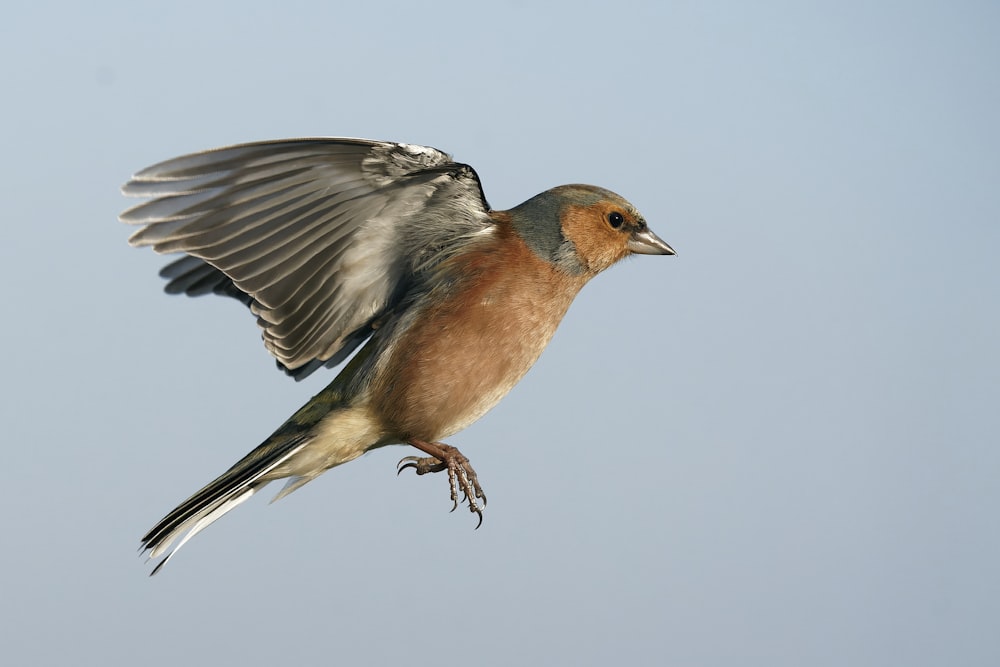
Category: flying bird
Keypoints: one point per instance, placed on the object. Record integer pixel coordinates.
(337, 243)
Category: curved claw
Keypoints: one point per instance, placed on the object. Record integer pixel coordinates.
(461, 476)
(420, 464)
(411, 463)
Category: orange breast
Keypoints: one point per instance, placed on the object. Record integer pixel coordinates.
(465, 353)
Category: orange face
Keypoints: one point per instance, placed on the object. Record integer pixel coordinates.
(600, 232)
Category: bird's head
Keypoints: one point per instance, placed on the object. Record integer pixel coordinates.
(584, 228)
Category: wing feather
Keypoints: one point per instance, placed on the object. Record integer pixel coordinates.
(320, 237)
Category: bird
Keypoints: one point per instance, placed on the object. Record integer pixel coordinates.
(337, 244)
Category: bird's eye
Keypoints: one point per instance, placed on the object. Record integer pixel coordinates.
(616, 219)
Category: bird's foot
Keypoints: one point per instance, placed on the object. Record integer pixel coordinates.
(460, 472)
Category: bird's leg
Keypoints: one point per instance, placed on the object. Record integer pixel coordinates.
(460, 472)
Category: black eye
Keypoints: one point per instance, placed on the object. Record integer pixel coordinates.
(616, 219)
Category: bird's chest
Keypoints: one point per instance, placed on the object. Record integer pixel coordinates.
(466, 352)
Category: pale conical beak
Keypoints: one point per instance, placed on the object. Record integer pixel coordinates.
(645, 242)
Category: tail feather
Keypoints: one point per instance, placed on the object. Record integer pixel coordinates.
(225, 493)
(199, 524)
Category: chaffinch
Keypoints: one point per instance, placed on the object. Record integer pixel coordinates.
(334, 242)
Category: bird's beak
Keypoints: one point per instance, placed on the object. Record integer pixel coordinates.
(645, 242)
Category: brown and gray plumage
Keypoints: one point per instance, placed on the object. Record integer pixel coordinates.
(334, 242)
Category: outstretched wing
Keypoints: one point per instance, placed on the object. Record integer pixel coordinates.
(320, 237)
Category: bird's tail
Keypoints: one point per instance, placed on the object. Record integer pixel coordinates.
(230, 489)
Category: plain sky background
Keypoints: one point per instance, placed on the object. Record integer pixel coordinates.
(779, 447)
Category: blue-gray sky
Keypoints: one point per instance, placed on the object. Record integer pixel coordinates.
(778, 448)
